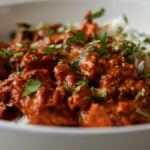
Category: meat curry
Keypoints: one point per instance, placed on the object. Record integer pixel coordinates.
(74, 76)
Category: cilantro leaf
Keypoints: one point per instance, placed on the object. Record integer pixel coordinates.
(66, 87)
(34, 58)
(18, 54)
(18, 71)
(101, 93)
(32, 86)
(21, 45)
(12, 35)
(83, 82)
(130, 48)
(145, 75)
(78, 38)
(103, 42)
(140, 94)
(97, 14)
(85, 98)
(7, 51)
(77, 89)
(49, 50)
(2, 55)
(142, 113)
(125, 18)
(22, 24)
(74, 64)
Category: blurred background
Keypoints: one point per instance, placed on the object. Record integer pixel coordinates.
(15, 1)
(3, 2)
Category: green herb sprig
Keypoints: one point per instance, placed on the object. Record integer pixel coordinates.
(78, 38)
(97, 14)
(32, 86)
(74, 64)
(77, 89)
(142, 113)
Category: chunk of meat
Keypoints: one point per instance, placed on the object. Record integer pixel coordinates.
(111, 81)
(5, 88)
(142, 85)
(96, 116)
(24, 37)
(90, 28)
(35, 60)
(80, 99)
(129, 70)
(4, 45)
(3, 107)
(64, 75)
(128, 86)
(56, 39)
(91, 67)
(3, 68)
(40, 106)
(131, 88)
(39, 113)
(20, 83)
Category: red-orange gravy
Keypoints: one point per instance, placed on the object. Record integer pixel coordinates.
(59, 76)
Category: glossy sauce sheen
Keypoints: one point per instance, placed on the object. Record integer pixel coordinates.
(79, 86)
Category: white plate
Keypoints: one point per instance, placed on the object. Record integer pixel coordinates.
(20, 137)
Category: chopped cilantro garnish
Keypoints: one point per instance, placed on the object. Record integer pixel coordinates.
(142, 113)
(140, 94)
(61, 29)
(101, 93)
(97, 14)
(34, 58)
(18, 71)
(32, 86)
(66, 87)
(79, 72)
(34, 44)
(60, 61)
(59, 46)
(86, 98)
(95, 41)
(92, 91)
(147, 40)
(125, 18)
(78, 38)
(25, 25)
(49, 50)
(145, 75)
(7, 51)
(21, 45)
(12, 35)
(77, 89)
(79, 119)
(83, 82)
(130, 49)
(74, 64)
(2, 55)
(103, 42)
(19, 54)
(80, 82)
(33, 49)
(51, 32)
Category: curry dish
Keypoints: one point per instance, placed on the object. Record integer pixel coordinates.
(77, 75)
